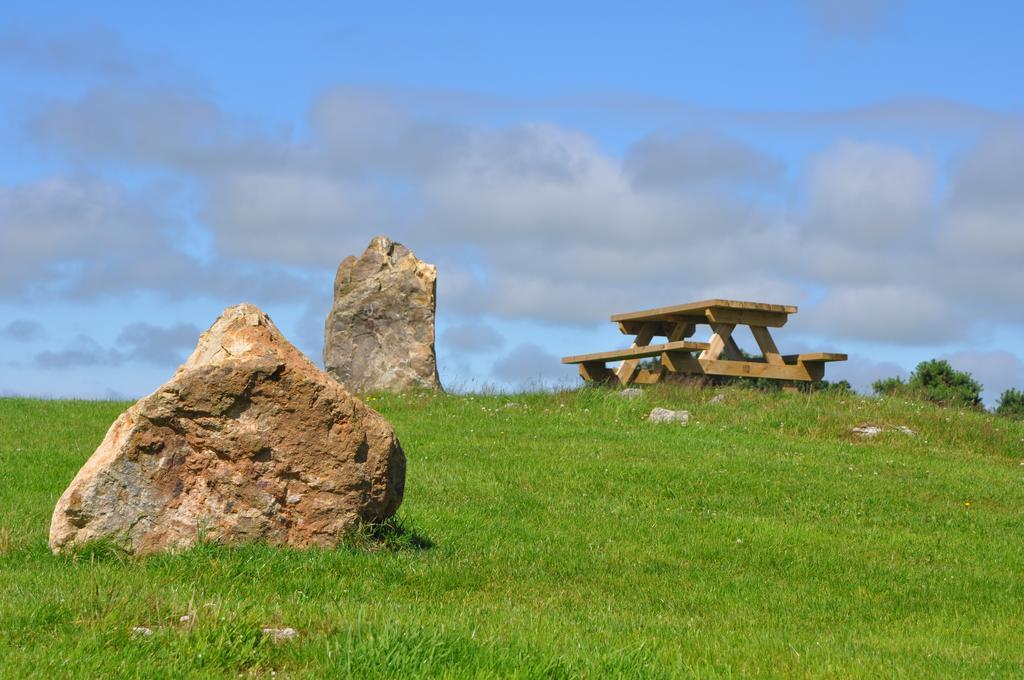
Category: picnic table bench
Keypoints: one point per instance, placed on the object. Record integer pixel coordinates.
(720, 355)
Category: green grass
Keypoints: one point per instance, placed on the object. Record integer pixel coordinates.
(561, 535)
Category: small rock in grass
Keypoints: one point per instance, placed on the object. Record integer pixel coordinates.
(631, 393)
(281, 634)
(185, 619)
(664, 415)
(717, 399)
(867, 430)
(142, 630)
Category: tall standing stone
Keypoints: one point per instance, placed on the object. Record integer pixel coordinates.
(247, 441)
(379, 334)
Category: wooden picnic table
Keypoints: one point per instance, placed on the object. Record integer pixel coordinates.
(720, 355)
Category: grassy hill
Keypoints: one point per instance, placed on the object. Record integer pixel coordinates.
(562, 535)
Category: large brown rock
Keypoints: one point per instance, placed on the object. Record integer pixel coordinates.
(379, 334)
(248, 440)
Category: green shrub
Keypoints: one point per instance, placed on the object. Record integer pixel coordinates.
(1011, 403)
(936, 381)
(939, 382)
(841, 387)
(887, 386)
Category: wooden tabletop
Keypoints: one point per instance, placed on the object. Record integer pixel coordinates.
(706, 311)
(699, 309)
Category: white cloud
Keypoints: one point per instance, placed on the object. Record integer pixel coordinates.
(164, 124)
(92, 52)
(986, 230)
(698, 158)
(82, 237)
(535, 182)
(985, 213)
(990, 171)
(885, 313)
(869, 194)
(159, 345)
(138, 342)
(471, 338)
(23, 330)
(292, 217)
(529, 366)
(84, 351)
(49, 224)
(856, 18)
(358, 123)
(364, 131)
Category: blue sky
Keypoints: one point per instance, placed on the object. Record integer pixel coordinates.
(558, 163)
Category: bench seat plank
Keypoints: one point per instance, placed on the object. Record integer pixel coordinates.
(638, 352)
(813, 356)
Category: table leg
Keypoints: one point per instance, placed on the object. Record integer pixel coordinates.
(681, 330)
(595, 372)
(732, 351)
(628, 368)
(721, 334)
(767, 345)
(771, 354)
